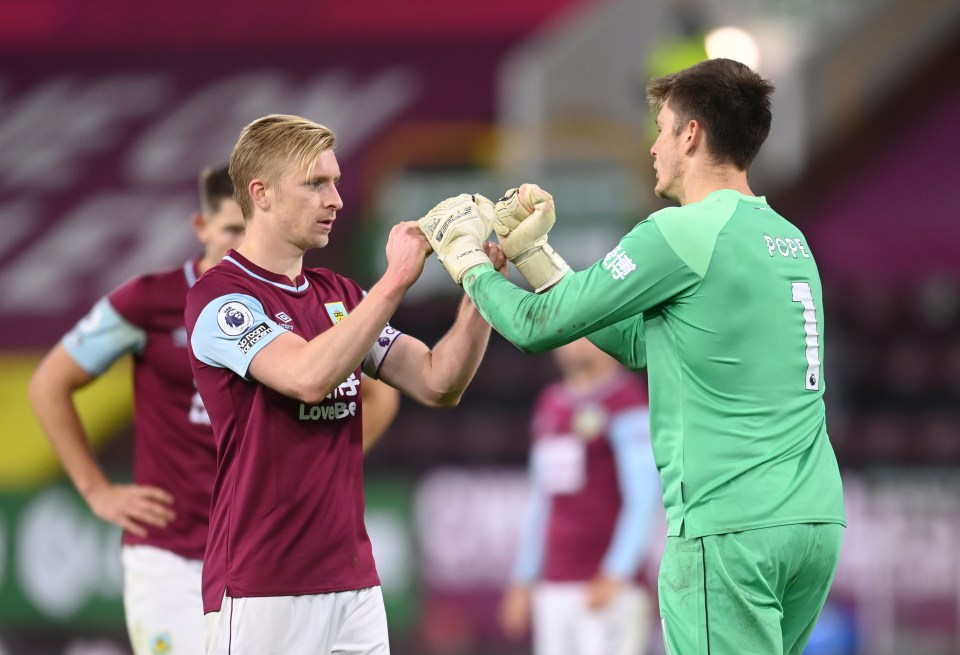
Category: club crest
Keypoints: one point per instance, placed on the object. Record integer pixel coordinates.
(336, 311)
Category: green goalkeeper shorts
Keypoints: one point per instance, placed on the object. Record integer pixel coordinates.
(752, 592)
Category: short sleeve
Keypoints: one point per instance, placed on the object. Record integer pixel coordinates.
(231, 330)
(129, 301)
(101, 337)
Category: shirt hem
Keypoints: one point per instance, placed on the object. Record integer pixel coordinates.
(235, 592)
(706, 531)
(195, 553)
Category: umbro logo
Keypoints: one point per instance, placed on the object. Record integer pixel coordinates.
(283, 317)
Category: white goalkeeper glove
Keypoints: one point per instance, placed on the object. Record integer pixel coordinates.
(524, 217)
(456, 229)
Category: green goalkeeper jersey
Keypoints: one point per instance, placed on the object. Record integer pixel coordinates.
(721, 301)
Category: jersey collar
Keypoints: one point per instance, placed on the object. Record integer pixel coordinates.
(191, 271)
(262, 274)
(730, 193)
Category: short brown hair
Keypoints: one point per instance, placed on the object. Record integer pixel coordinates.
(215, 187)
(268, 145)
(729, 101)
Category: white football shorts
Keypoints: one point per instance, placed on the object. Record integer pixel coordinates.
(343, 622)
(564, 625)
(162, 602)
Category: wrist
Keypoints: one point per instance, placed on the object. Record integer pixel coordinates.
(475, 272)
(91, 487)
(541, 267)
(392, 286)
(389, 290)
(476, 267)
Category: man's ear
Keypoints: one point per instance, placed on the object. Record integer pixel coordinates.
(258, 193)
(691, 137)
(198, 225)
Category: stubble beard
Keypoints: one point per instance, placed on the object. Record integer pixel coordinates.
(322, 241)
(665, 192)
(311, 241)
(661, 191)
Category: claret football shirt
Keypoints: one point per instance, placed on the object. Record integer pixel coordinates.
(582, 469)
(287, 510)
(173, 448)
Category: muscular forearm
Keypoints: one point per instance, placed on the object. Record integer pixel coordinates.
(309, 370)
(455, 358)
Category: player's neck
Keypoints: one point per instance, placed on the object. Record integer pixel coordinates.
(207, 262)
(701, 183)
(275, 255)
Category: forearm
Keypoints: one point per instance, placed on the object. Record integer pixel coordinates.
(380, 405)
(454, 360)
(52, 402)
(639, 483)
(69, 441)
(506, 307)
(539, 322)
(631, 538)
(641, 273)
(309, 370)
(335, 354)
(533, 535)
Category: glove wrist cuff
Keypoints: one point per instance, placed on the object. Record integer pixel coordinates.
(541, 267)
(462, 255)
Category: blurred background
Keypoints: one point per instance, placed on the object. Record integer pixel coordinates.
(109, 109)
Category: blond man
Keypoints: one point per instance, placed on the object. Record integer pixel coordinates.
(278, 350)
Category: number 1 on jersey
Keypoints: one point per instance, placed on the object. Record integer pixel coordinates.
(803, 295)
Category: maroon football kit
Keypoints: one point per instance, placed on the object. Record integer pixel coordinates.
(287, 509)
(174, 446)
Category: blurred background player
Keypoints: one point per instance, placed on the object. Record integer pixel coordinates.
(594, 490)
(164, 513)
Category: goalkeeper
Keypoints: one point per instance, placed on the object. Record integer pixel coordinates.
(720, 299)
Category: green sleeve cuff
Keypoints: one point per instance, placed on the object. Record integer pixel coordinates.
(472, 274)
(506, 308)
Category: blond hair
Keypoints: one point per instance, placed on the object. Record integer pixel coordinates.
(269, 146)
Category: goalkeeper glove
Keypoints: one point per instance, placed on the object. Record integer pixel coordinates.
(456, 229)
(524, 217)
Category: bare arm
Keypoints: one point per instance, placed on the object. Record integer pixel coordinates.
(438, 377)
(380, 405)
(309, 370)
(51, 391)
